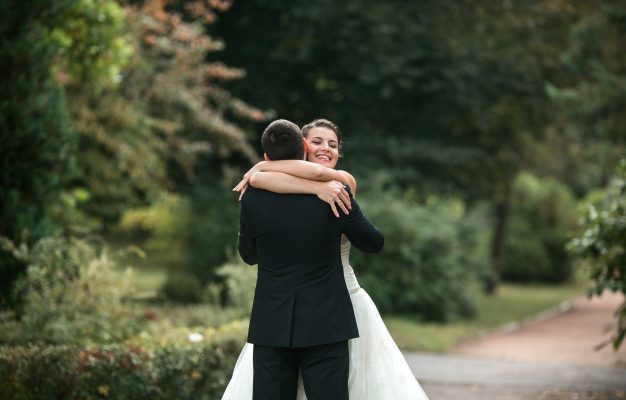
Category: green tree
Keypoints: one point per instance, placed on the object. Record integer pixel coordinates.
(602, 247)
(593, 107)
(543, 218)
(173, 109)
(37, 139)
(592, 98)
(444, 96)
(145, 135)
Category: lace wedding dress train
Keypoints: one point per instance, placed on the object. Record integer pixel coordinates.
(378, 370)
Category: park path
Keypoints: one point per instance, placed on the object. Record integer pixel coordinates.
(549, 358)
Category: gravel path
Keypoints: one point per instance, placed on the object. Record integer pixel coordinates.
(565, 338)
(550, 358)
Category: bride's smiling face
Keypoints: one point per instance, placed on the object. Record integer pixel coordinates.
(323, 147)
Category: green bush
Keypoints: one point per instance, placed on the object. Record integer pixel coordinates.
(542, 218)
(182, 364)
(72, 294)
(166, 317)
(167, 222)
(213, 233)
(193, 235)
(237, 288)
(431, 253)
(182, 287)
(602, 247)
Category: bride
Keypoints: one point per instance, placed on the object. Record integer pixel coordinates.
(378, 370)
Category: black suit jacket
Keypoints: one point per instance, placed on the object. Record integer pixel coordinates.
(301, 297)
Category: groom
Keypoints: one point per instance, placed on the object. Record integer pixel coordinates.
(302, 316)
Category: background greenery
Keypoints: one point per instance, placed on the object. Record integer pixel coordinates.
(479, 132)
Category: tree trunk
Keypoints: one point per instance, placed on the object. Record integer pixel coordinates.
(498, 240)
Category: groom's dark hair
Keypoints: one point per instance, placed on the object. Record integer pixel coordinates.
(282, 140)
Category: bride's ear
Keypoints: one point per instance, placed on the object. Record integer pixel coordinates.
(306, 146)
(265, 157)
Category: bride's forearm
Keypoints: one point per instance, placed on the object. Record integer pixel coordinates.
(280, 182)
(303, 169)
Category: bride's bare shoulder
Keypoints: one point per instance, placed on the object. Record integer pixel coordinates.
(350, 180)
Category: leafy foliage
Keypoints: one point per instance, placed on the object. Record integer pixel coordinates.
(213, 232)
(47, 44)
(104, 108)
(237, 290)
(542, 219)
(439, 97)
(71, 294)
(602, 247)
(169, 110)
(167, 223)
(430, 256)
(590, 95)
(165, 367)
(93, 45)
(182, 287)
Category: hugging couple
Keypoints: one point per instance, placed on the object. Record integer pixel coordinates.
(314, 332)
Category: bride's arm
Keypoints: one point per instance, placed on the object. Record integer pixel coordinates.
(299, 168)
(302, 169)
(332, 192)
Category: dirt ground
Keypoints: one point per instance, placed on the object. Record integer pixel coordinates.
(551, 357)
(568, 337)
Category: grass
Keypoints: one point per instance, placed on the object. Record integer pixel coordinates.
(511, 303)
(149, 271)
(149, 280)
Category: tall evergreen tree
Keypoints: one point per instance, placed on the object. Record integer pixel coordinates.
(37, 140)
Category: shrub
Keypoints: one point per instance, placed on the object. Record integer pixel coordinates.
(542, 218)
(192, 234)
(602, 248)
(182, 364)
(167, 221)
(237, 288)
(213, 234)
(182, 287)
(72, 294)
(430, 255)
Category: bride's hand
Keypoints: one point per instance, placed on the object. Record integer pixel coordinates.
(334, 193)
(242, 186)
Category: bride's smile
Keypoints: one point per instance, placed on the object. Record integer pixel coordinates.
(323, 147)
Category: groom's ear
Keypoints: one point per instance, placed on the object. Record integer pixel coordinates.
(265, 157)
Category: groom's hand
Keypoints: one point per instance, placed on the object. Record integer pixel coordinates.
(334, 193)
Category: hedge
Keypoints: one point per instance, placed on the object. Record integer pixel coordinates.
(182, 364)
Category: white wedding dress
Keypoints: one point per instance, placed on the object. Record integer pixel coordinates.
(378, 371)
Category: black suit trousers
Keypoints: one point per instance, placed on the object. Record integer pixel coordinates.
(324, 369)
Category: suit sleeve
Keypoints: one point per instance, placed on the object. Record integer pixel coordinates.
(361, 232)
(246, 244)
